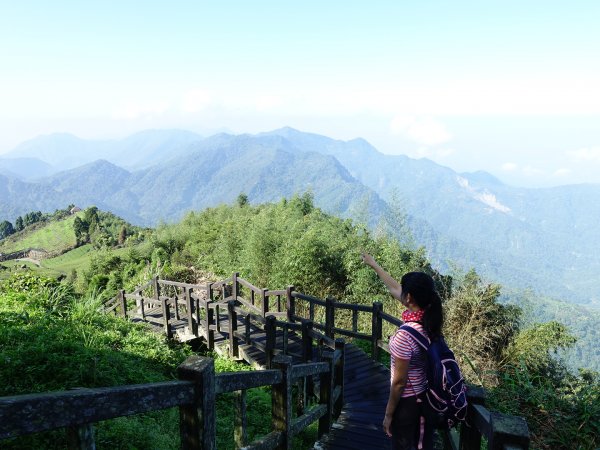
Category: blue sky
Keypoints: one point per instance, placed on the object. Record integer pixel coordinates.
(508, 87)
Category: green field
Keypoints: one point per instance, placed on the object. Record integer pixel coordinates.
(52, 237)
(8, 267)
(78, 259)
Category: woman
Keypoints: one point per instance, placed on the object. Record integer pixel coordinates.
(404, 421)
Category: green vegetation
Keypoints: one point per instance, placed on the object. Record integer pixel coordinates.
(53, 237)
(52, 339)
(293, 242)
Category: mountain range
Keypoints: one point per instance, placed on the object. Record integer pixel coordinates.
(543, 239)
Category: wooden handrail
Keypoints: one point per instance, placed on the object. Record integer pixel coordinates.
(194, 394)
(264, 319)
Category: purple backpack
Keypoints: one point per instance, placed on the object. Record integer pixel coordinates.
(446, 392)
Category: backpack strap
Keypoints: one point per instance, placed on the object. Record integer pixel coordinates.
(417, 336)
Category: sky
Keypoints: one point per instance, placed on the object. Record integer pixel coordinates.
(509, 87)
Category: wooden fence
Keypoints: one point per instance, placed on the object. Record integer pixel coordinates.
(202, 310)
(194, 394)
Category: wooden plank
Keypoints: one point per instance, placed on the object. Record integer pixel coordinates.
(300, 423)
(351, 334)
(235, 381)
(268, 442)
(32, 413)
(353, 307)
(309, 369)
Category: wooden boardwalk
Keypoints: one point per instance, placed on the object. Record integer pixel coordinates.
(292, 335)
(366, 384)
(366, 390)
(304, 328)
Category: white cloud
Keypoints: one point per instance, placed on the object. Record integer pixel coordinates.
(509, 166)
(422, 130)
(589, 154)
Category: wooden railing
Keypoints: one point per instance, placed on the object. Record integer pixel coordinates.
(194, 394)
(260, 310)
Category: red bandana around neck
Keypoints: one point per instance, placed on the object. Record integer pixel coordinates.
(413, 316)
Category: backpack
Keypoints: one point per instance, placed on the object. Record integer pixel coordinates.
(446, 393)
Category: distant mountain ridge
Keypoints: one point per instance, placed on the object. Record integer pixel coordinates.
(63, 151)
(539, 238)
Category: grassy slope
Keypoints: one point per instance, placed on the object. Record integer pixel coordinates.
(78, 258)
(52, 237)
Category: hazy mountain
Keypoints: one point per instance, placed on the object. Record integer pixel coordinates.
(217, 170)
(60, 150)
(539, 238)
(24, 168)
(146, 148)
(64, 151)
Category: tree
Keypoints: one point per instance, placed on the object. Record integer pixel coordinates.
(91, 217)
(80, 227)
(242, 200)
(122, 235)
(19, 224)
(6, 229)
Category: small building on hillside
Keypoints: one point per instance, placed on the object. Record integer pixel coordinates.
(74, 209)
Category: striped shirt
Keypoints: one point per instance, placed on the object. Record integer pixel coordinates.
(403, 346)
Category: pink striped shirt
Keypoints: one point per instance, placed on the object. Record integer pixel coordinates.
(403, 346)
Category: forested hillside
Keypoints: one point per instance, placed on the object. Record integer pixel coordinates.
(294, 242)
(544, 239)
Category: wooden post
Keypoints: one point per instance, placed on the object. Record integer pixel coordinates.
(81, 437)
(470, 438)
(189, 302)
(377, 331)
(235, 287)
(197, 420)
(286, 332)
(511, 430)
(215, 314)
(308, 387)
(176, 301)
(281, 406)
(143, 308)
(270, 330)
(234, 350)
(210, 319)
(329, 317)
(240, 433)
(265, 302)
(326, 397)
(290, 304)
(340, 346)
(123, 302)
(307, 326)
(166, 317)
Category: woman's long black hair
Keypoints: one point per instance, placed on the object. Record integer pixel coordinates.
(422, 289)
